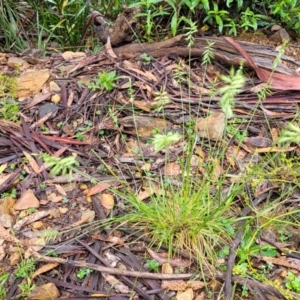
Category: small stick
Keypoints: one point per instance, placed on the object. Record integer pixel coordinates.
(112, 270)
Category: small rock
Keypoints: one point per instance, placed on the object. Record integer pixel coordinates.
(257, 142)
(3, 60)
(47, 108)
(47, 291)
(32, 55)
(31, 82)
(17, 63)
(54, 87)
(73, 56)
(55, 98)
(37, 225)
(63, 210)
(186, 295)
(275, 27)
(8, 204)
(280, 36)
(166, 268)
(6, 220)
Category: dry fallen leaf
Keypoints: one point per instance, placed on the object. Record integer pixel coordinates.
(44, 269)
(107, 201)
(44, 292)
(28, 200)
(98, 188)
(35, 167)
(212, 127)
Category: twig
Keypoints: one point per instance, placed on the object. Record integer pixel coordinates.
(112, 270)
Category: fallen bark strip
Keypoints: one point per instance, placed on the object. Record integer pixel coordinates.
(263, 56)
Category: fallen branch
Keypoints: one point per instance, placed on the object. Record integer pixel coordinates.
(111, 270)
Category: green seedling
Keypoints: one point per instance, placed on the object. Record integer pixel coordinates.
(162, 141)
(105, 81)
(9, 111)
(51, 252)
(216, 16)
(59, 165)
(26, 287)
(249, 20)
(284, 235)
(146, 58)
(65, 200)
(25, 268)
(31, 210)
(83, 272)
(293, 282)
(12, 193)
(3, 279)
(152, 265)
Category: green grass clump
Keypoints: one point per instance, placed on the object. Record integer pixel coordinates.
(194, 218)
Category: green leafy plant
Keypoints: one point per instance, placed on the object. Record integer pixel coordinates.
(105, 81)
(146, 58)
(161, 141)
(150, 11)
(284, 235)
(59, 165)
(81, 273)
(293, 282)
(3, 278)
(25, 268)
(250, 20)
(12, 193)
(218, 16)
(152, 265)
(63, 20)
(233, 128)
(31, 210)
(287, 12)
(9, 111)
(26, 287)
(291, 134)
(51, 252)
